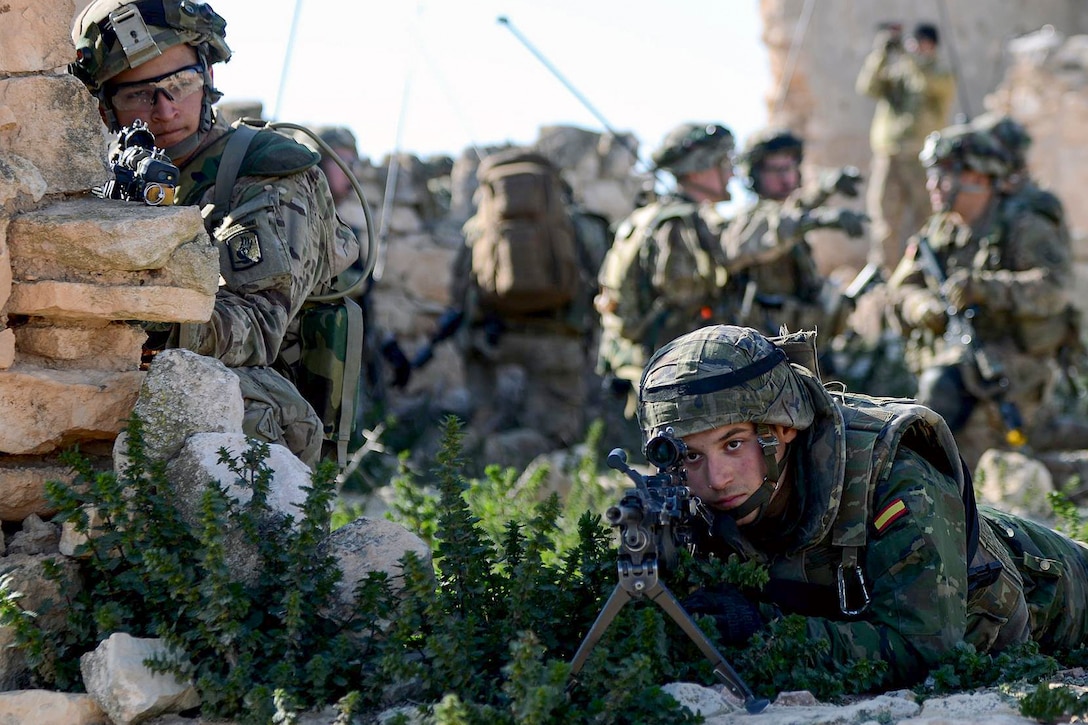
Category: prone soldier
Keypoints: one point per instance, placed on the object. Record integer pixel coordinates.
(861, 509)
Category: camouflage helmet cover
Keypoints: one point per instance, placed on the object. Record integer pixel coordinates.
(337, 136)
(693, 147)
(721, 375)
(1008, 132)
(111, 36)
(766, 142)
(964, 146)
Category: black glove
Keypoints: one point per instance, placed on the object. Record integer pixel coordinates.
(398, 361)
(845, 181)
(737, 618)
(848, 220)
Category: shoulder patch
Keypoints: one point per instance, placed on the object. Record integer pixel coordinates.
(890, 514)
(244, 248)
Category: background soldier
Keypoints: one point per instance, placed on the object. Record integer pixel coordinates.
(1003, 265)
(378, 344)
(153, 62)
(773, 278)
(913, 93)
(860, 509)
(523, 286)
(664, 273)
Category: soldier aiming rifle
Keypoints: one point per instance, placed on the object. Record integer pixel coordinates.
(655, 522)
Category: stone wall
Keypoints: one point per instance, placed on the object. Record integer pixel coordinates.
(73, 268)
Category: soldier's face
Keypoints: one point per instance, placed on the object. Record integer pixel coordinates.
(779, 176)
(339, 184)
(711, 184)
(725, 465)
(966, 192)
(172, 121)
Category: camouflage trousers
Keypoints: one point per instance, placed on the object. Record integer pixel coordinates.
(529, 379)
(1042, 592)
(275, 412)
(897, 203)
(986, 426)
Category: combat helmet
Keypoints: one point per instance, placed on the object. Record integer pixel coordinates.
(764, 143)
(724, 375)
(692, 147)
(963, 146)
(338, 137)
(111, 36)
(1010, 134)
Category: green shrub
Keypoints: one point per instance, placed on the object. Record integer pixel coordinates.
(485, 633)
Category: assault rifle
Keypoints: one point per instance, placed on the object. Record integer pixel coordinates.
(141, 170)
(654, 522)
(960, 331)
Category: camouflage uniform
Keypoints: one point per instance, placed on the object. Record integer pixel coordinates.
(914, 97)
(663, 276)
(773, 277)
(279, 242)
(877, 503)
(283, 242)
(1016, 261)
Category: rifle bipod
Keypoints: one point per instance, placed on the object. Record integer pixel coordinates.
(642, 581)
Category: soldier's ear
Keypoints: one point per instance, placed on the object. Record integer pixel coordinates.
(784, 434)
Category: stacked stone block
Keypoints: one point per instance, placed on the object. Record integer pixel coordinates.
(75, 269)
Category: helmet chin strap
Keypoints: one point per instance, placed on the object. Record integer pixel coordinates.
(759, 499)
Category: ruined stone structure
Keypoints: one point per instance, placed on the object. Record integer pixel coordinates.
(75, 269)
(69, 361)
(1002, 56)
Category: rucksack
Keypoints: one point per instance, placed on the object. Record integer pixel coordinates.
(327, 371)
(524, 254)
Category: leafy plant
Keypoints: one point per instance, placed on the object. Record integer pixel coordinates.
(1054, 704)
(150, 573)
(485, 631)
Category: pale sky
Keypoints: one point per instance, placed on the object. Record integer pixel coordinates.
(643, 65)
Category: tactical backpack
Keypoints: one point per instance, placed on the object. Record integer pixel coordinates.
(524, 253)
(328, 365)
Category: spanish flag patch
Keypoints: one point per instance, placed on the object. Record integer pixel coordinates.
(891, 513)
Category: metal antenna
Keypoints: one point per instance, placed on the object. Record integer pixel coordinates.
(287, 60)
(794, 53)
(949, 33)
(623, 140)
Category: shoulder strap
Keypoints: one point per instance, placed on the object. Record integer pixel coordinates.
(353, 367)
(230, 163)
(875, 430)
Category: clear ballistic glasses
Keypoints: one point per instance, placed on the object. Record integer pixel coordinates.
(142, 95)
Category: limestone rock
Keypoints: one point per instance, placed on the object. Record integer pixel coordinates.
(117, 678)
(186, 393)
